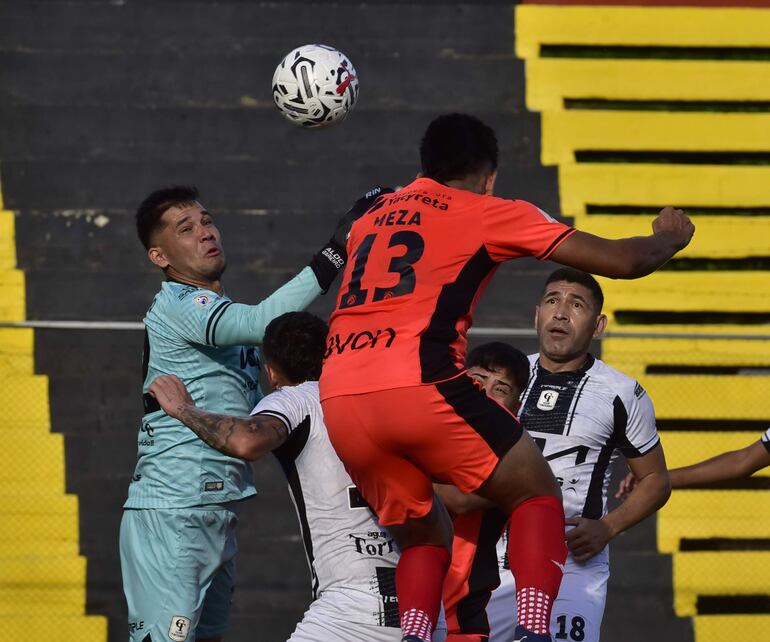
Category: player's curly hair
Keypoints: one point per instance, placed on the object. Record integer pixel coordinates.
(495, 356)
(152, 208)
(295, 343)
(456, 146)
(571, 275)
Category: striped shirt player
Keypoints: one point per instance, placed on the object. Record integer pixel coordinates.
(352, 558)
(582, 420)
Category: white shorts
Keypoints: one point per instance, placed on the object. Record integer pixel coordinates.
(577, 613)
(320, 625)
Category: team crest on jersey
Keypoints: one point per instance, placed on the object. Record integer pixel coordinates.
(179, 628)
(202, 300)
(547, 400)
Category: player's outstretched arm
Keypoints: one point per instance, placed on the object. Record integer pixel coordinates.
(730, 465)
(240, 324)
(735, 464)
(652, 491)
(244, 437)
(628, 258)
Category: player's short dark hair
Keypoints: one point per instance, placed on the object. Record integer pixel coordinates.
(571, 275)
(295, 343)
(457, 145)
(496, 356)
(152, 208)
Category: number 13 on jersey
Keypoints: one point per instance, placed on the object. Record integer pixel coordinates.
(397, 280)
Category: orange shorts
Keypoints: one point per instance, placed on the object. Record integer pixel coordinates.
(473, 574)
(394, 443)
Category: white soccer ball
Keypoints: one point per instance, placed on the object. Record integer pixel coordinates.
(315, 86)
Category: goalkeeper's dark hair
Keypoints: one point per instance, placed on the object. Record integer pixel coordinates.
(152, 208)
(456, 146)
(571, 275)
(496, 356)
(294, 344)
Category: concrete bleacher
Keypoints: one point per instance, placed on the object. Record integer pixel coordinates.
(623, 92)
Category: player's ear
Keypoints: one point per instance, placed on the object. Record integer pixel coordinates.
(601, 326)
(537, 314)
(272, 377)
(158, 257)
(489, 183)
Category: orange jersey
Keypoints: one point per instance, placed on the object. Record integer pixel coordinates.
(418, 263)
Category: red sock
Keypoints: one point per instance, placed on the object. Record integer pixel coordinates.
(536, 553)
(419, 579)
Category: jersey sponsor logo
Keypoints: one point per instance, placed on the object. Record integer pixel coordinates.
(359, 341)
(335, 258)
(213, 486)
(547, 400)
(202, 300)
(136, 626)
(146, 435)
(397, 217)
(419, 198)
(179, 628)
(373, 543)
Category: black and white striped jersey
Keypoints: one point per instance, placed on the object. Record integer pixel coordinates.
(352, 558)
(581, 420)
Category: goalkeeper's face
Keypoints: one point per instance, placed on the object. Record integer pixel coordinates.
(187, 245)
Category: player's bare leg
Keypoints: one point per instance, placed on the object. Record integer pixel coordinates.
(426, 545)
(523, 485)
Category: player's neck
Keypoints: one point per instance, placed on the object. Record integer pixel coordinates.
(204, 284)
(570, 365)
(469, 184)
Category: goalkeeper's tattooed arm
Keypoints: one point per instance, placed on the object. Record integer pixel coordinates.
(244, 437)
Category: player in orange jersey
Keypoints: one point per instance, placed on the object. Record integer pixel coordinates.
(400, 409)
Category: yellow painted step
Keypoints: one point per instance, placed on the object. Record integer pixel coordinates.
(704, 514)
(51, 599)
(715, 397)
(564, 132)
(660, 185)
(38, 459)
(682, 330)
(42, 571)
(7, 240)
(595, 25)
(12, 295)
(716, 236)
(16, 351)
(25, 404)
(722, 573)
(632, 356)
(35, 524)
(551, 80)
(63, 628)
(719, 628)
(688, 447)
(723, 291)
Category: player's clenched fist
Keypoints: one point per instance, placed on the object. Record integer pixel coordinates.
(171, 395)
(676, 223)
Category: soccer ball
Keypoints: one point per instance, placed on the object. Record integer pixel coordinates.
(315, 86)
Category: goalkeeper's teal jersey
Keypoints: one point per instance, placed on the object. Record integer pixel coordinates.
(209, 342)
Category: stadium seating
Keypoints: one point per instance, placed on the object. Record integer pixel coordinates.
(42, 574)
(650, 106)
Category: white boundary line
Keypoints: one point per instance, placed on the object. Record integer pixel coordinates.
(525, 333)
